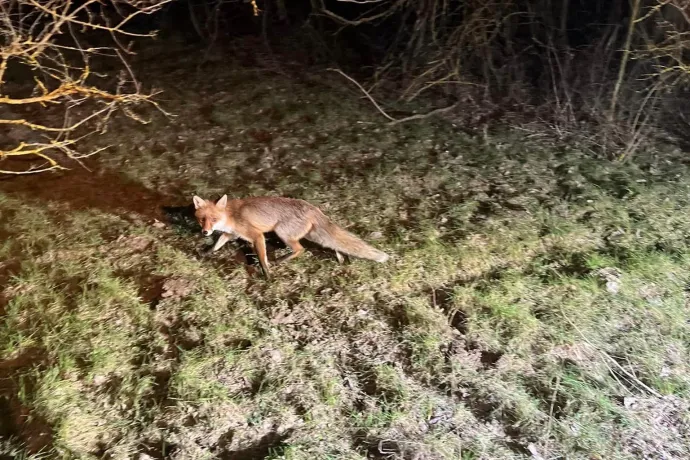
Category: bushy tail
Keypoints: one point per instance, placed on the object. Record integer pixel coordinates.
(329, 235)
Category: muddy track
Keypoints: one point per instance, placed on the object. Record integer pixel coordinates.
(83, 189)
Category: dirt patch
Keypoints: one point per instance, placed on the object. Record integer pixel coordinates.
(16, 419)
(489, 358)
(268, 443)
(150, 287)
(661, 430)
(158, 450)
(179, 336)
(23, 360)
(443, 298)
(380, 448)
(176, 288)
(20, 422)
(82, 189)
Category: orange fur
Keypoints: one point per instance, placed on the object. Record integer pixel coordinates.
(289, 218)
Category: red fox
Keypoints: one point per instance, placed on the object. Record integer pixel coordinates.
(290, 219)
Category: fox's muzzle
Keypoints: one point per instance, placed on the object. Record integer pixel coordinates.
(207, 232)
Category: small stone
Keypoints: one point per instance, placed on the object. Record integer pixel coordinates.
(276, 356)
(375, 235)
(612, 287)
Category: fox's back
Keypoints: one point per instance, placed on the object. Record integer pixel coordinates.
(275, 204)
(273, 210)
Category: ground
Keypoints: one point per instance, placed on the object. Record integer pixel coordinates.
(535, 305)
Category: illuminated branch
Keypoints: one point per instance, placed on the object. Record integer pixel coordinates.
(29, 31)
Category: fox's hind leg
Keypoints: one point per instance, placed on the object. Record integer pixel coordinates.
(297, 249)
(259, 243)
(291, 236)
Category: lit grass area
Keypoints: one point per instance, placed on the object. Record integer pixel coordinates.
(536, 302)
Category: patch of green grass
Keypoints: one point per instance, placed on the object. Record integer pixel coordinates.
(532, 294)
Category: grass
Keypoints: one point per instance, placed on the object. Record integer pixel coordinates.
(536, 300)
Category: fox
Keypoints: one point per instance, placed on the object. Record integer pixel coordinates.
(291, 219)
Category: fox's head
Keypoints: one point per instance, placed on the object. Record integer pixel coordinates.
(211, 216)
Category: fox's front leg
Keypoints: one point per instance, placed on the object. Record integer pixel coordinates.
(224, 238)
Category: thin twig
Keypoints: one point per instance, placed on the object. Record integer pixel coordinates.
(363, 20)
(624, 59)
(366, 93)
(553, 404)
(421, 116)
(394, 121)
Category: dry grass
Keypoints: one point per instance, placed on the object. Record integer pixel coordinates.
(536, 303)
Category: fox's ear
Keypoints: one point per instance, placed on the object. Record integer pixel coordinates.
(222, 202)
(198, 202)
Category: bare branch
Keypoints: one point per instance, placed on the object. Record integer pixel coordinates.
(119, 27)
(30, 30)
(364, 19)
(422, 116)
(366, 93)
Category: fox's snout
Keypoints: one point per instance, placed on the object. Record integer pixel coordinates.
(206, 226)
